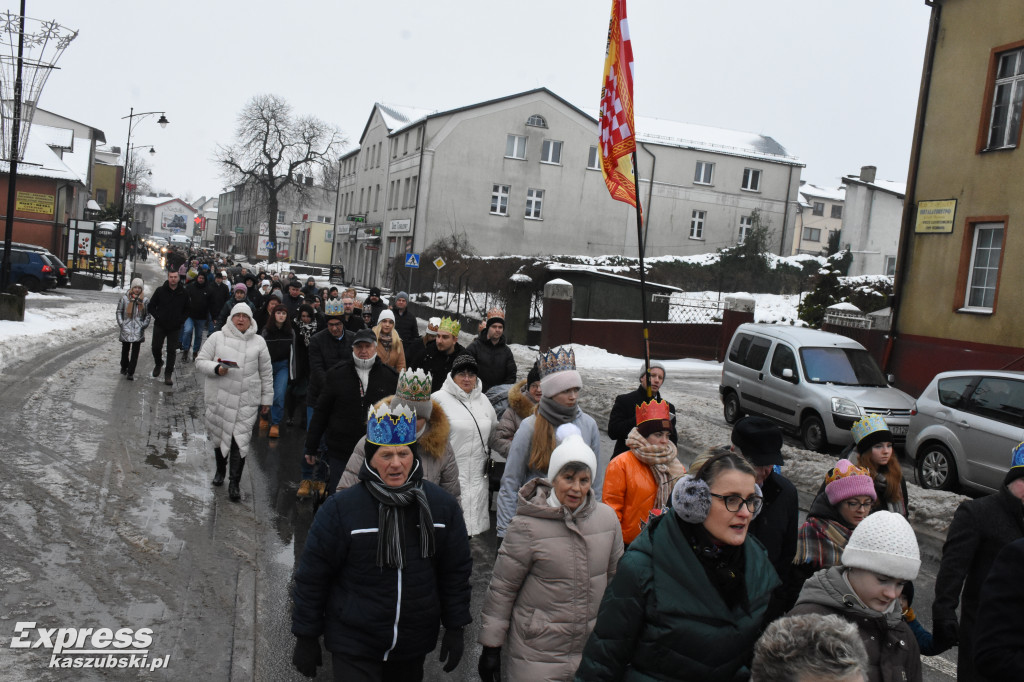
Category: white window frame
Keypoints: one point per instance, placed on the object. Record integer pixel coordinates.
(889, 266)
(280, 216)
(988, 271)
(499, 198)
(808, 231)
(818, 208)
(534, 204)
(704, 173)
(537, 121)
(697, 220)
(751, 180)
(594, 158)
(551, 152)
(515, 146)
(1013, 85)
(746, 225)
(833, 209)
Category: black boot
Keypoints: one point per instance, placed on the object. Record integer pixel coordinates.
(237, 464)
(222, 466)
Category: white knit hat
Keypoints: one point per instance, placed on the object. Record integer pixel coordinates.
(137, 282)
(386, 315)
(884, 543)
(571, 448)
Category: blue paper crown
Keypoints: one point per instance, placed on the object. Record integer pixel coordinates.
(1017, 456)
(557, 360)
(334, 308)
(389, 427)
(868, 424)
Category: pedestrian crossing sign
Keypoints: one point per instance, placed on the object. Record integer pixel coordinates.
(412, 260)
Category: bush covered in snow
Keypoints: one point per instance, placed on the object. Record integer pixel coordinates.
(867, 292)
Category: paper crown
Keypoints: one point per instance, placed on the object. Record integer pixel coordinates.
(651, 411)
(844, 469)
(334, 308)
(495, 313)
(414, 385)
(868, 425)
(452, 326)
(557, 360)
(432, 325)
(388, 427)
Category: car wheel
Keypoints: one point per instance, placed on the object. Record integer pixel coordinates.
(812, 430)
(30, 283)
(732, 408)
(936, 468)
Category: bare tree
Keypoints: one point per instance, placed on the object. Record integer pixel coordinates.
(271, 146)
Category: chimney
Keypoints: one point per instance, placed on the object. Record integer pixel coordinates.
(867, 173)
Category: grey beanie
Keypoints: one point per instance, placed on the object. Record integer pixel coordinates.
(402, 294)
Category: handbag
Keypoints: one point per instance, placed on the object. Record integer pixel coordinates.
(492, 470)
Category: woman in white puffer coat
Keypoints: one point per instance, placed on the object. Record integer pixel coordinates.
(239, 384)
(473, 423)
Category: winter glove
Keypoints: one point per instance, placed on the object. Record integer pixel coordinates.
(489, 665)
(909, 615)
(945, 634)
(452, 646)
(306, 657)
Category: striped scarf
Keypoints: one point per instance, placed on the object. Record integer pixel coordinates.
(820, 542)
(391, 514)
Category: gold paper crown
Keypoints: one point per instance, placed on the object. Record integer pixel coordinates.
(452, 326)
(557, 360)
(495, 312)
(652, 411)
(414, 385)
(838, 472)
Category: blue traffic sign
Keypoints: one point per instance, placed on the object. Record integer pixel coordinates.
(270, 245)
(412, 260)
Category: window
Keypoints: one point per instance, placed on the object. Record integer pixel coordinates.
(537, 120)
(280, 216)
(705, 173)
(812, 234)
(749, 351)
(1004, 120)
(405, 193)
(391, 196)
(376, 198)
(405, 145)
(782, 359)
(499, 199)
(412, 190)
(697, 224)
(999, 399)
(751, 180)
(890, 265)
(515, 147)
(101, 197)
(361, 190)
(983, 275)
(394, 148)
(593, 159)
(951, 390)
(746, 225)
(551, 152)
(819, 208)
(837, 211)
(419, 138)
(534, 200)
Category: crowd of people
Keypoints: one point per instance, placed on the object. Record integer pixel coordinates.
(633, 569)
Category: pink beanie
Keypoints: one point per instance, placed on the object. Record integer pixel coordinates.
(848, 480)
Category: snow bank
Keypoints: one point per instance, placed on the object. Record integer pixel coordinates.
(46, 328)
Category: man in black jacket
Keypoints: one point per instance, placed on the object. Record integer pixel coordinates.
(198, 312)
(293, 299)
(622, 419)
(219, 295)
(405, 323)
(374, 305)
(494, 359)
(999, 647)
(352, 320)
(169, 307)
(351, 387)
(980, 529)
(439, 354)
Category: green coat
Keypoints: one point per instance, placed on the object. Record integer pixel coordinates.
(661, 618)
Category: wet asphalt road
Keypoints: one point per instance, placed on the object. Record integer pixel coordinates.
(107, 519)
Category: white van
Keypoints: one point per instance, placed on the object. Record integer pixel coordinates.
(811, 382)
(181, 240)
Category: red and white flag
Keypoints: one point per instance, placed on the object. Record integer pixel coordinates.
(617, 135)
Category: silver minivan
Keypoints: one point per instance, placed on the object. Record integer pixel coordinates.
(811, 382)
(964, 426)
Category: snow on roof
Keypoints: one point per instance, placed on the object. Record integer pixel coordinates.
(890, 186)
(78, 160)
(837, 194)
(845, 305)
(63, 138)
(397, 117)
(157, 201)
(41, 162)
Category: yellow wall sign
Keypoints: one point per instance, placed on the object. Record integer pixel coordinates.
(32, 202)
(935, 217)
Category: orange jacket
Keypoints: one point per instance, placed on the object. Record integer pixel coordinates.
(631, 490)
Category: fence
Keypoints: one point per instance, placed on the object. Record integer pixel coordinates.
(691, 309)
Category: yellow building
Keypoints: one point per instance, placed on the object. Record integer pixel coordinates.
(312, 242)
(106, 184)
(958, 294)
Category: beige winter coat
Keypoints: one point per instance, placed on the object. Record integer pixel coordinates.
(396, 358)
(520, 406)
(547, 584)
(436, 455)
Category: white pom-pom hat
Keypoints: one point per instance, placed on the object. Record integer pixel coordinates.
(571, 448)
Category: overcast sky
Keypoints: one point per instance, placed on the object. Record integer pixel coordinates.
(834, 81)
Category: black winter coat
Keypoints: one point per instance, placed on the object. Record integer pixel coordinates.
(437, 364)
(218, 295)
(369, 612)
(342, 405)
(980, 529)
(354, 323)
(375, 308)
(999, 647)
(169, 307)
(292, 304)
(198, 299)
(324, 352)
(279, 341)
(407, 328)
(777, 524)
(495, 364)
(623, 417)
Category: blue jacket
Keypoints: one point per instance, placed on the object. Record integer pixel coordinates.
(381, 613)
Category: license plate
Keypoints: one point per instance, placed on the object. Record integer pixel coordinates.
(898, 430)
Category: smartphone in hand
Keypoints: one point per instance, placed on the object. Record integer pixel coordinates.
(231, 364)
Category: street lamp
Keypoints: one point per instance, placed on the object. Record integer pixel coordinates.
(131, 178)
(124, 181)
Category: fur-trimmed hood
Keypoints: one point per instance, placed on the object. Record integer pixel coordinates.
(519, 400)
(435, 439)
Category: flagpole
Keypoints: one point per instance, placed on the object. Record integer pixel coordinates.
(641, 247)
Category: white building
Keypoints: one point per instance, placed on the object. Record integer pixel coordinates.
(520, 175)
(163, 215)
(871, 225)
(819, 215)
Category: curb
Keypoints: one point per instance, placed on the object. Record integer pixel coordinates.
(243, 644)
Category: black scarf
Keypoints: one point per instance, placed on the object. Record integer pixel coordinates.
(391, 513)
(723, 564)
(556, 413)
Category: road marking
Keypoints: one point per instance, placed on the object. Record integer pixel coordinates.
(941, 664)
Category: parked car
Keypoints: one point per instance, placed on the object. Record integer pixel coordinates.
(813, 383)
(31, 268)
(964, 426)
(59, 269)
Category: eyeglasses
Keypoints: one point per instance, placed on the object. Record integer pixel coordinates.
(734, 502)
(854, 504)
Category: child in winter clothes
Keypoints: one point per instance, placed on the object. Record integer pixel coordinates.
(924, 638)
(875, 453)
